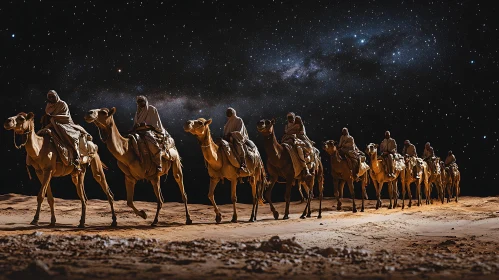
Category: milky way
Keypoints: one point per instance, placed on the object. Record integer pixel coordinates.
(419, 69)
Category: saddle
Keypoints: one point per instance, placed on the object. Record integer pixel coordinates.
(229, 150)
(297, 160)
(141, 150)
(86, 147)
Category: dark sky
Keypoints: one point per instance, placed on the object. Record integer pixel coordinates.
(426, 71)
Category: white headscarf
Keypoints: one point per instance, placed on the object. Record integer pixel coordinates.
(59, 110)
(235, 123)
(148, 115)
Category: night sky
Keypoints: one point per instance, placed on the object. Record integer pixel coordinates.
(426, 71)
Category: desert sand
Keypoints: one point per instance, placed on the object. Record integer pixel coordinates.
(450, 240)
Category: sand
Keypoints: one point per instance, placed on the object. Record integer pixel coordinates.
(432, 241)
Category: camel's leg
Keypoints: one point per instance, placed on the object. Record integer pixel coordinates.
(352, 193)
(211, 196)
(395, 193)
(46, 177)
(301, 193)
(50, 199)
(255, 199)
(338, 186)
(268, 196)
(287, 196)
(390, 194)
(78, 179)
(100, 177)
(409, 192)
(364, 192)
(320, 182)
(130, 190)
(179, 178)
(450, 191)
(458, 189)
(233, 195)
(159, 198)
(378, 186)
(404, 186)
(309, 190)
(342, 188)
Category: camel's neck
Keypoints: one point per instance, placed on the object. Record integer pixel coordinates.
(272, 147)
(210, 149)
(117, 144)
(374, 163)
(34, 142)
(335, 158)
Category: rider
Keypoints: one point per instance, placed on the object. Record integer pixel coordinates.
(295, 129)
(235, 132)
(388, 149)
(429, 156)
(57, 111)
(148, 124)
(349, 150)
(409, 151)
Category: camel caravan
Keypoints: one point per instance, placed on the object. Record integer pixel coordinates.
(61, 148)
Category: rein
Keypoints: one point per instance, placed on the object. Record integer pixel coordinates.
(25, 142)
(100, 135)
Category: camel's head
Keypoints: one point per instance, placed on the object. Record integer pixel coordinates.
(329, 146)
(20, 123)
(197, 127)
(100, 117)
(372, 149)
(265, 127)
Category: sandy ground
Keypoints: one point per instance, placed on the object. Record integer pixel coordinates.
(437, 241)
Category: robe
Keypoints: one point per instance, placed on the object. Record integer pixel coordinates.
(150, 116)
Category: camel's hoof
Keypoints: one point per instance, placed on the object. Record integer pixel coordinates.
(338, 208)
(234, 219)
(81, 225)
(52, 224)
(34, 222)
(320, 216)
(218, 219)
(286, 217)
(188, 222)
(252, 220)
(114, 224)
(403, 206)
(154, 223)
(390, 207)
(309, 215)
(361, 209)
(276, 215)
(143, 214)
(354, 210)
(302, 217)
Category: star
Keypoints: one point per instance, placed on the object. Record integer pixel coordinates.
(13, 35)
(119, 70)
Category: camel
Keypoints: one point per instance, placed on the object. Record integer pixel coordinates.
(446, 178)
(434, 178)
(279, 164)
(220, 168)
(121, 148)
(456, 180)
(341, 173)
(43, 156)
(379, 176)
(416, 172)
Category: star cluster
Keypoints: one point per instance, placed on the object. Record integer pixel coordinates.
(423, 70)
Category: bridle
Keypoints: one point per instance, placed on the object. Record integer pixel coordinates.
(98, 129)
(25, 142)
